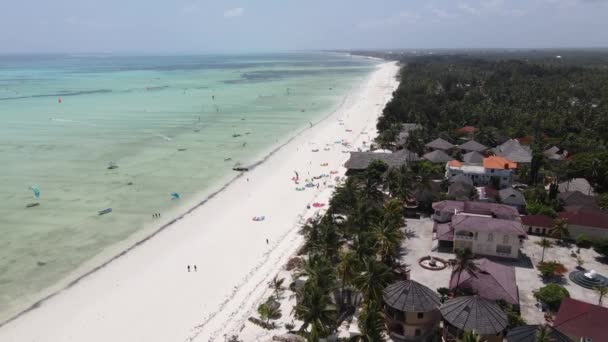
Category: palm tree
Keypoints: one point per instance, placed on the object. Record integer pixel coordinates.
(388, 239)
(371, 323)
(400, 182)
(269, 311)
(277, 285)
(560, 229)
(346, 271)
(544, 243)
(465, 261)
(469, 336)
(316, 309)
(372, 280)
(601, 291)
(543, 334)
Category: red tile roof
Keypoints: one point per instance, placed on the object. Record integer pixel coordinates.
(585, 216)
(495, 162)
(494, 281)
(455, 163)
(582, 319)
(537, 221)
(466, 130)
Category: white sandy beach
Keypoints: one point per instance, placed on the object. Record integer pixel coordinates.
(148, 294)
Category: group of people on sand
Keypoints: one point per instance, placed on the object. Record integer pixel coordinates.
(194, 268)
(156, 215)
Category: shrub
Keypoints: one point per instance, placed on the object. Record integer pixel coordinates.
(540, 209)
(550, 269)
(601, 246)
(552, 295)
(583, 241)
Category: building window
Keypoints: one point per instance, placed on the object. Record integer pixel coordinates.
(505, 239)
(503, 249)
(417, 332)
(420, 315)
(490, 237)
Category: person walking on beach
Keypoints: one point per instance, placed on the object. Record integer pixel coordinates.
(188, 268)
(195, 269)
(266, 241)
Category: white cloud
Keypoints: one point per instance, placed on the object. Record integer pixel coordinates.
(234, 12)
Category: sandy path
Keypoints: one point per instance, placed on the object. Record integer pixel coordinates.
(148, 294)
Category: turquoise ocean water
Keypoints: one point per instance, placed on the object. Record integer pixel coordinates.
(172, 124)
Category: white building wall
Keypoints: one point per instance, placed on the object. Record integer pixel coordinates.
(485, 244)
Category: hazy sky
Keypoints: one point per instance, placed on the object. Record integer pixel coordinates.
(269, 25)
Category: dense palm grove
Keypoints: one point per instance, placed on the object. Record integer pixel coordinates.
(537, 102)
(353, 252)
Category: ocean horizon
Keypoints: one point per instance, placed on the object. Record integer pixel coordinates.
(141, 135)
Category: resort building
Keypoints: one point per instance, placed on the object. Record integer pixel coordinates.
(569, 198)
(359, 161)
(513, 150)
(411, 310)
(472, 146)
(473, 158)
(576, 184)
(512, 197)
(440, 144)
(481, 234)
(537, 224)
(529, 333)
(473, 313)
(444, 210)
(491, 281)
(584, 220)
(437, 157)
(493, 171)
(555, 154)
(582, 321)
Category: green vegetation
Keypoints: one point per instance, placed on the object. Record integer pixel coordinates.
(552, 295)
(551, 269)
(582, 241)
(540, 102)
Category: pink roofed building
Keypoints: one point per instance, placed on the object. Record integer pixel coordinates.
(493, 281)
(484, 228)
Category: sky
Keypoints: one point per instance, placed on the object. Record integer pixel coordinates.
(206, 26)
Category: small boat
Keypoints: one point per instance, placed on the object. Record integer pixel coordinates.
(30, 205)
(315, 150)
(236, 135)
(240, 168)
(228, 159)
(112, 166)
(182, 149)
(105, 211)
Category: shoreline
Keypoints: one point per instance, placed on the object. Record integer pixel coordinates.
(62, 297)
(118, 249)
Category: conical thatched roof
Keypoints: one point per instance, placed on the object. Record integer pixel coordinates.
(438, 157)
(473, 158)
(527, 333)
(411, 296)
(473, 145)
(439, 144)
(474, 313)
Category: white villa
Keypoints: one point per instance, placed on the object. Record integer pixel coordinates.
(498, 168)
